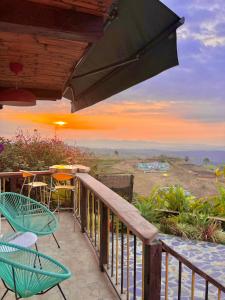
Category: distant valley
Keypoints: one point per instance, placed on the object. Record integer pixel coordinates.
(195, 156)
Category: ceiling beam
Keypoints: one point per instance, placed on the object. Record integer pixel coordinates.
(27, 17)
(43, 94)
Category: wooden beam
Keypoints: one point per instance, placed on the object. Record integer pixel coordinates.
(42, 94)
(21, 16)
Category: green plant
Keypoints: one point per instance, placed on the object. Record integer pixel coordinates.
(174, 198)
(147, 209)
(191, 226)
(217, 202)
(193, 220)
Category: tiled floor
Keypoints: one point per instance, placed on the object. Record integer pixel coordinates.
(87, 282)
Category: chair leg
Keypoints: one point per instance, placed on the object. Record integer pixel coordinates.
(49, 198)
(11, 226)
(4, 294)
(74, 210)
(29, 191)
(59, 287)
(41, 198)
(36, 247)
(14, 282)
(56, 240)
(58, 205)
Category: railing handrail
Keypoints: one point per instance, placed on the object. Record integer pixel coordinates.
(16, 174)
(126, 212)
(192, 266)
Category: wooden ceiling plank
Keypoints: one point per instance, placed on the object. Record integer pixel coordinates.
(22, 16)
(95, 7)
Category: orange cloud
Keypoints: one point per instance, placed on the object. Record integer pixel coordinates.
(75, 122)
(158, 121)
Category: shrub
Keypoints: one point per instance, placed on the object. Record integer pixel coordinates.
(147, 208)
(219, 202)
(192, 221)
(174, 198)
(33, 152)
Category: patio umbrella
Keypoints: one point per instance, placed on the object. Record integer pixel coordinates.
(139, 42)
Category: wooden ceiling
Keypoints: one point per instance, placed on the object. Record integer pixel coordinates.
(96, 7)
(48, 37)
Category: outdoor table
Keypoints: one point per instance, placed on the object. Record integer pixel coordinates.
(70, 169)
(23, 239)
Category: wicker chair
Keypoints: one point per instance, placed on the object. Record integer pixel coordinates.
(27, 215)
(27, 272)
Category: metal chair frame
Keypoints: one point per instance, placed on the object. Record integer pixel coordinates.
(32, 207)
(27, 175)
(15, 292)
(59, 182)
(29, 268)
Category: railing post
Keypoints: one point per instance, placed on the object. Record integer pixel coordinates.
(103, 256)
(83, 206)
(13, 183)
(131, 188)
(152, 270)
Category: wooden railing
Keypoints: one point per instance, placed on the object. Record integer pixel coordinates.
(12, 181)
(192, 271)
(137, 265)
(123, 240)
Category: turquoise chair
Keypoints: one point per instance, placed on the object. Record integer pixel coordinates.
(25, 275)
(27, 215)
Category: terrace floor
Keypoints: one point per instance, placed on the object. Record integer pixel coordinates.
(87, 282)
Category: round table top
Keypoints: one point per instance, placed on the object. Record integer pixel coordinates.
(23, 239)
(72, 169)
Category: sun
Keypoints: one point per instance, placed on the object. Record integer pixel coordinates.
(60, 123)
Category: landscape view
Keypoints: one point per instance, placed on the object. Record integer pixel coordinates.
(158, 145)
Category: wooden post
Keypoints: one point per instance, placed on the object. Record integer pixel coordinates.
(72, 194)
(103, 257)
(131, 188)
(13, 184)
(152, 270)
(83, 206)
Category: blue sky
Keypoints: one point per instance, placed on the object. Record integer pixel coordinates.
(200, 77)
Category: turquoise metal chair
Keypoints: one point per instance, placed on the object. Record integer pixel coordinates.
(25, 275)
(27, 215)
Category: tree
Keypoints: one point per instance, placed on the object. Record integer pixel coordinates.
(206, 161)
(33, 152)
(186, 158)
(116, 153)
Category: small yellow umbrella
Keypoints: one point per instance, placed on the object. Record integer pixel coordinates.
(219, 173)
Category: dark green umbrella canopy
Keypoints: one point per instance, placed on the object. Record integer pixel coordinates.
(139, 42)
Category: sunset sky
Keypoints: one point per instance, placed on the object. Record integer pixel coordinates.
(183, 107)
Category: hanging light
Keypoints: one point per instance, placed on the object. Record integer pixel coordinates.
(16, 96)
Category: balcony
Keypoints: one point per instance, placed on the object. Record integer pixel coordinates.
(114, 253)
(86, 281)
